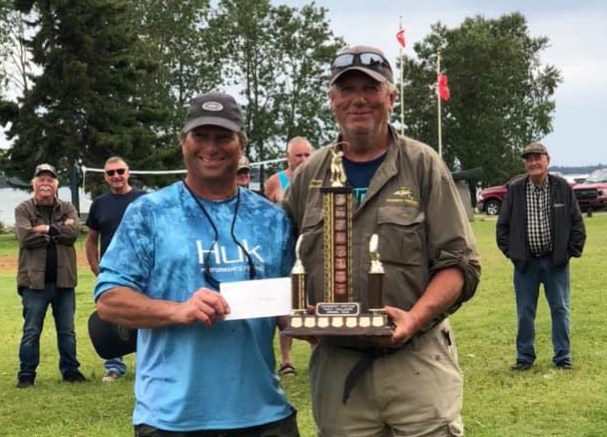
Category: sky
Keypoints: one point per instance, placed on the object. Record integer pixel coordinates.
(577, 32)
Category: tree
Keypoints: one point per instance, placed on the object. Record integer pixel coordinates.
(116, 77)
(177, 36)
(85, 105)
(501, 94)
(15, 65)
(277, 57)
(5, 41)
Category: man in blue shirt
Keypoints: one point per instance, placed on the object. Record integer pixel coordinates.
(103, 220)
(197, 373)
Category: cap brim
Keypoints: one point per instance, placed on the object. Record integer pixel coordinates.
(210, 121)
(532, 153)
(371, 73)
(110, 340)
(46, 171)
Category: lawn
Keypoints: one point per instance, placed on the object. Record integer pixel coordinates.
(498, 402)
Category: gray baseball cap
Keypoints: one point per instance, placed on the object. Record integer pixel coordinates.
(41, 168)
(244, 163)
(368, 60)
(537, 148)
(214, 109)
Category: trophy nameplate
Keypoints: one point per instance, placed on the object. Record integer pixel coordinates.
(338, 309)
(338, 313)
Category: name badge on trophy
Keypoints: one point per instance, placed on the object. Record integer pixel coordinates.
(338, 313)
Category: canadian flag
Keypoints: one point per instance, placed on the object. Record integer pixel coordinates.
(443, 87)
(400, 37)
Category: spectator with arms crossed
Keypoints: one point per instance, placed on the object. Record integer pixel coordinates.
(47, 229)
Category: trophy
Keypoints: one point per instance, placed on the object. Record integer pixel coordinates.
(338, 313)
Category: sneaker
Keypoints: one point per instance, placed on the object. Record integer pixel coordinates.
(286, 369)
(74, 376)
(564, 365)
(111, 376)
(521, 366)
(25, 381)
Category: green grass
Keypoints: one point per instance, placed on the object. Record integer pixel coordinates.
(541, 402)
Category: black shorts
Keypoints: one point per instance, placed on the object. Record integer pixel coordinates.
(281, 428)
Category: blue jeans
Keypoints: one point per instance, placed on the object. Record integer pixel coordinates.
(35, 303)
(556, 289)
(115, 365)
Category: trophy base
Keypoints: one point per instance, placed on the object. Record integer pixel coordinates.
(371, 324)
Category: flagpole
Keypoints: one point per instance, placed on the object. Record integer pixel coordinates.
(438, 98)
(402, 86)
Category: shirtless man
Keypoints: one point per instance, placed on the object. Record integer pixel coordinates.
(299, 150)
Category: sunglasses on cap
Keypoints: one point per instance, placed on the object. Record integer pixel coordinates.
(372, 60)
(120, 171)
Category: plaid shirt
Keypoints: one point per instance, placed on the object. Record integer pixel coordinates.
(539, 237)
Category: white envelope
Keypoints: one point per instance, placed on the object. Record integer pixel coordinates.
(257, 298)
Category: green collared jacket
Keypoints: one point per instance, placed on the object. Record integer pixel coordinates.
(414, 207)
(32, 245)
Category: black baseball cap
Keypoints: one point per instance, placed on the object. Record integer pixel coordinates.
(215, 109)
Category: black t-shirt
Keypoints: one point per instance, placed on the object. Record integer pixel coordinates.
(106, 213)
(50, 269)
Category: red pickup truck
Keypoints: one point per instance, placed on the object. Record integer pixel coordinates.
(490, 199)
(592, 193)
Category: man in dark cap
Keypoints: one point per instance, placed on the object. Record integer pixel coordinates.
(408, 383)
(198, 374)
(47, 228)
(540, 227)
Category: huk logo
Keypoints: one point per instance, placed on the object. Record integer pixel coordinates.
(220, 255)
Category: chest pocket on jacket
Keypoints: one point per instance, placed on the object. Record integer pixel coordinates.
(401, 235)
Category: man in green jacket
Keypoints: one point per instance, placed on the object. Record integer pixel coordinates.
(47, 228)
(410, 382)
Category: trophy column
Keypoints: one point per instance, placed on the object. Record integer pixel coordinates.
(338, 313)
(337, 243)
(375, 287)
(298, 289)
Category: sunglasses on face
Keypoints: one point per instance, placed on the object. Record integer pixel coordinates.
(371, 60)
(120, 171)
